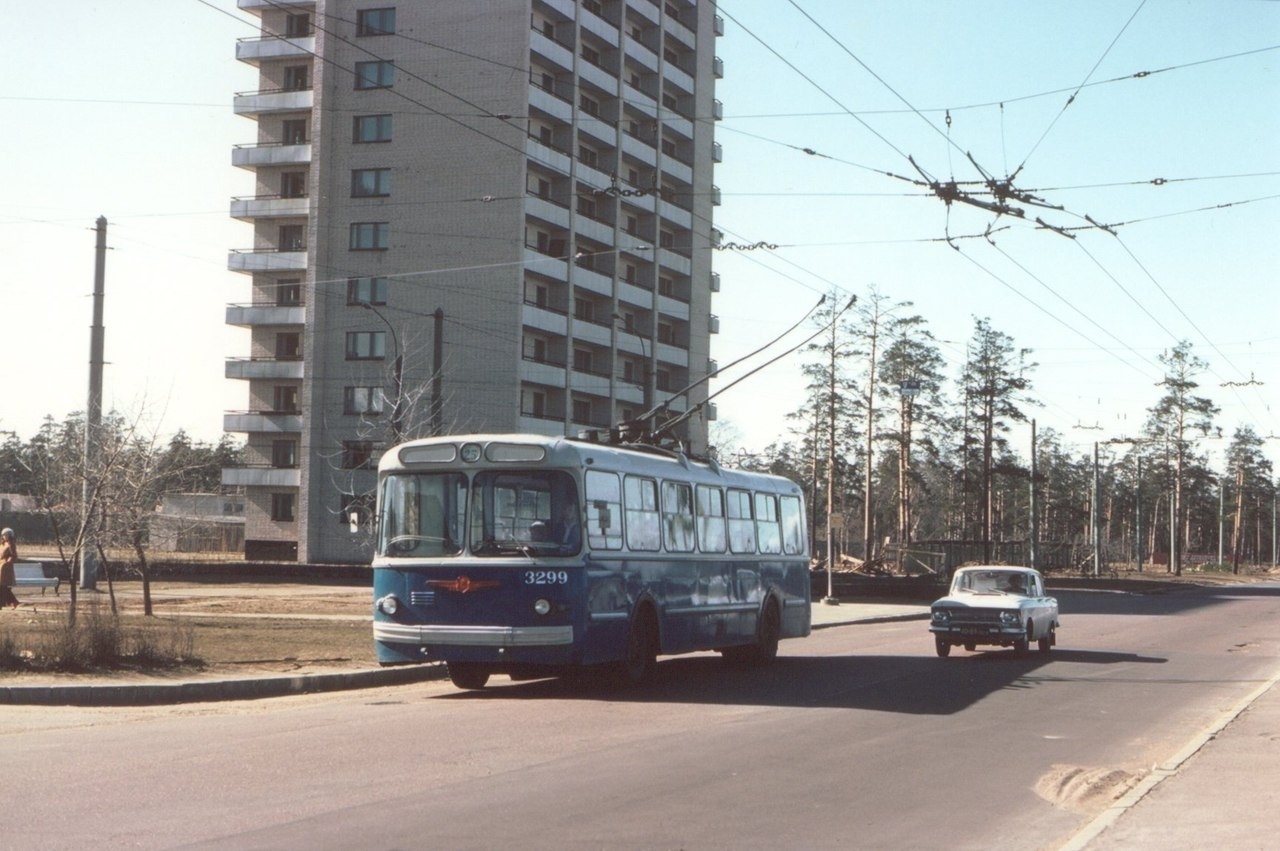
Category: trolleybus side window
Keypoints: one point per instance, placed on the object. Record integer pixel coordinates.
(677, 517)
(742, 529)
(641, 497)
(792, 526)
(421, 514)
(711, 529)
(519, 510)
(604, 510)
(768, 528)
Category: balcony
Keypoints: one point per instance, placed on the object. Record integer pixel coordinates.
(553, 51)
(262, 477)
(269, 154)
(540, 372)
(271, 422)
(269, 207)
(550, 157)
(248, 315)
(253, 260)
(255, 50)
(272, 100)
(274, 4)
(270, 369)
(717, 67)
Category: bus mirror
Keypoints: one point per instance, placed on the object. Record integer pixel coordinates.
(354, 518)
(602, 512)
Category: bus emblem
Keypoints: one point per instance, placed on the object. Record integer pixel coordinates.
(464, 584)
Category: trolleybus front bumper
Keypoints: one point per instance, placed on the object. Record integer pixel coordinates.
(473, 635)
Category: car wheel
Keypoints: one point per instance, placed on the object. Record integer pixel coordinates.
(468, 675)
(1020, 645)
(1049, 639)
(942, 646)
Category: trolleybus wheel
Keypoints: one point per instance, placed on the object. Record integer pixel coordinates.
(468, 675)
(765, 649)
(641, 663)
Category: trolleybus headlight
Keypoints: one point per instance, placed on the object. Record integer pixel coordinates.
(388, 604)
(542, 605)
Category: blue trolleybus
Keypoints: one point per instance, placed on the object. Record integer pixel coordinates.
(528, 555)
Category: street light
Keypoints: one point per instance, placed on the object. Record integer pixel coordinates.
(397, 411)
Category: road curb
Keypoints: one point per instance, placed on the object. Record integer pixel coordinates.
(914, 616)
(200, 691)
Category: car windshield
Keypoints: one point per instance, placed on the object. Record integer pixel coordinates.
(990, 582)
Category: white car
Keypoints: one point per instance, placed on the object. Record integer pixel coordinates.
(995, 605)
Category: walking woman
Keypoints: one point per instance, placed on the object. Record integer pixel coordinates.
(8, 555)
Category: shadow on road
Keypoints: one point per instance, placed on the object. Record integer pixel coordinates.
(914, 685)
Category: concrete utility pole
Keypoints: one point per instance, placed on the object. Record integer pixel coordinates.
(437, 377)
(93, 415)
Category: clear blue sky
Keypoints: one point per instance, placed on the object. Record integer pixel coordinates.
(127, 115)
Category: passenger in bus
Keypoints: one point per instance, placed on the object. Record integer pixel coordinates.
(569, 535)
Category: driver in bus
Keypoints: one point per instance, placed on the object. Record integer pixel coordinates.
(569, 532)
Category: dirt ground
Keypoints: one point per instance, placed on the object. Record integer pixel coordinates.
(233, 627)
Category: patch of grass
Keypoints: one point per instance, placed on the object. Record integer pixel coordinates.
(96, 641)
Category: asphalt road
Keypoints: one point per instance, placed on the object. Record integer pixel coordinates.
(858, 737)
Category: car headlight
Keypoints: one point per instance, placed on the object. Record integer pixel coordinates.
(1010, 618)
(941, 616)
(388, 605)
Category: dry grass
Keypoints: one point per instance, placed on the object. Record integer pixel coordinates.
(198, 628)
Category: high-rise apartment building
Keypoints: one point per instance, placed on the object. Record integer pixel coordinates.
(470, 215)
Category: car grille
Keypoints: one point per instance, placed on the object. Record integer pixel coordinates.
(975, 617)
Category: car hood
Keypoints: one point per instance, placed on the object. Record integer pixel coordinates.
(982, 601)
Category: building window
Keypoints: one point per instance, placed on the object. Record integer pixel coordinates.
(284, 454)
(366, 345)
(371, 128)
(370, 182)
(581, 411)
(590, 54)
(359, 504)
(366, 290)
(292, 238)
(282, 507)
(376, 21)
(535, 403)
(361, 400)
(289, 293)
(297, 25)
(285, 399)
(357, 455)
(293, 131)
(297, 78)
(582, 360)
(589, 105)
(587, 207)
(583, 309)
(288, 345)
(379, 74)
(293, 184)
(588, 156)
(666, 333)
(370, 236)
